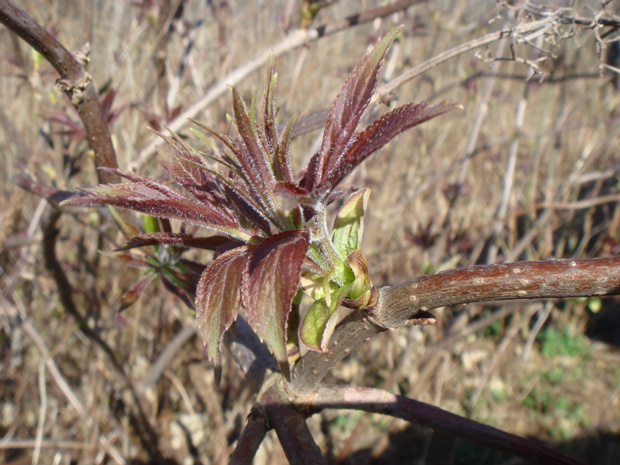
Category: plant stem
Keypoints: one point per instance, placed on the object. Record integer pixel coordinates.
(398, 304)
(75, 82)
(380, 401)
(483, 283)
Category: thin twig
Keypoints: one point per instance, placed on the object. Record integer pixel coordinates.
(42, 414)
(531, 337)
(379, 401)
(65, 292)
(498, 352)
(62, 385)
(44, 444)
(527, 28)
(75, 82)
(502, 210)
(481, 113)
(166, 356)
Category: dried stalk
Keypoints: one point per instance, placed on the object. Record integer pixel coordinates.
(295, 39)
(145, 428)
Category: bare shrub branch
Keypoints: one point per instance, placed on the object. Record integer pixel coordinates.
(383, 402)
(250, 440)
(290, 426)
(398, 304)
(74, 81)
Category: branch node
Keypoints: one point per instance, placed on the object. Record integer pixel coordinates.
(75, 92)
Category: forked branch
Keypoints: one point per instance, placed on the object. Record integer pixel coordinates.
(74, 81)
(398, 304)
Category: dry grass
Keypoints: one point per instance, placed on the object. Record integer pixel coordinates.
(65, 399)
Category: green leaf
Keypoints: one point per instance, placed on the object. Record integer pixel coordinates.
(349, 223)
(361, 291)
(347, 232)
(320, 321)
(151, 224)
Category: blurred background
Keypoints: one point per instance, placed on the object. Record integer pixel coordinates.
(529, 170)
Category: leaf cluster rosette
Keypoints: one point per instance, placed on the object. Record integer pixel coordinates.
(273, 242)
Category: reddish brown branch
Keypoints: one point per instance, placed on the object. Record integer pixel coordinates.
(250, 439)
(398, 304)
(74, 81)
(379, 401)
(290, 426)
(521, 280)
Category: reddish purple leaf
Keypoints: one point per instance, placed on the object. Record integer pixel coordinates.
(130, 297)
(218, 296)
(283, 158)
(378, 134)
(131, 260)
(74, 129)
(172, 114)
(248, 208)
(184, 167)
(155, 199)
(138, 178)
(175, 239)
(192, 267)
(347, 110)
(107, 100)
(182, 279)
(254, 161)
(293, 195)
(270, 281)
(177, 290)
(269, 111)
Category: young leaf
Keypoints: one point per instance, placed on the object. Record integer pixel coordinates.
(218, 296)
(130, 296)
(270, 281)
(283, 159)
(347, 111)
(175, 239)
(361, 291)
(380, 133)
(248, 208)
(185, 168)
(253, 160)
(155, 199)
(269, 110)
(348, 230)
(177, 289)
(320, 321)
